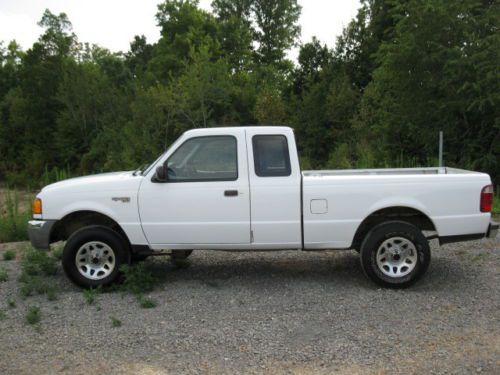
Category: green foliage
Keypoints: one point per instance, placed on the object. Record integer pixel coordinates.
(115, 322)
(57, 252)
(3, 315)
(13, 221)
(51, 294)
(36, 269)
(38, 263)
(9, 255)
(400, 72)
(138, 279)
(145, 302)
(496, 205)
(33, 315)
(90, 295)
(4, 276)
(11, 303)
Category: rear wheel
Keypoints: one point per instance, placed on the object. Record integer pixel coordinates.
(395, 254)
(93, 255)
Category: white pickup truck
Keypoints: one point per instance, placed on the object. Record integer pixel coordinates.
(241, 188)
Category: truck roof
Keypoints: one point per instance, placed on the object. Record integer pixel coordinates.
(255, 127)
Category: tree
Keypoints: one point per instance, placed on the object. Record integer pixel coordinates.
(184, 29)
(236, 32)
(276, 29)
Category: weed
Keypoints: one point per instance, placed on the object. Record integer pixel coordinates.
(51, 294)
(90, 295)
(33, 315)
(115, 322)
(57, 252)
(146, 302)
(3, 275)
(11, 303)
(13, 222)
(496, 205)
(9, 255)
(35, 266)
(138, 279)
(38, 263)
(3, 315)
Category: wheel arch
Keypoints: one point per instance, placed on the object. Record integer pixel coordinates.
(79, 219)
(404, 213)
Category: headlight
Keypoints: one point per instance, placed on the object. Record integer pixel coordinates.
(37, 207)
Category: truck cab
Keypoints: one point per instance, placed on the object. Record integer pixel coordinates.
(224, 189)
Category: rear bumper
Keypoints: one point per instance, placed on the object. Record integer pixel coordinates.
(490, 233)
(492, 230)
(39, 233)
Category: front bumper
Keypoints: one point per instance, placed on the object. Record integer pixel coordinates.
(39, 233)
(492, 230)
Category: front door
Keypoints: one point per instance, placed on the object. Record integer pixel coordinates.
(206, 199)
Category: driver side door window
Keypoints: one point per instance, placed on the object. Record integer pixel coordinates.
(212, 158)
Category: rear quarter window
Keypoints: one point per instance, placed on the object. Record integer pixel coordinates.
(271, 156)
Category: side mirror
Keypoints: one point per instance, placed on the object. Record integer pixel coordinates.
(161, 173)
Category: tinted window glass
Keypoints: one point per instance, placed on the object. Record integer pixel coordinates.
(204, 159)
(271, 157)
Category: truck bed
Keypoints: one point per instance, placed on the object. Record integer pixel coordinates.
(335, 202)
(386, 172)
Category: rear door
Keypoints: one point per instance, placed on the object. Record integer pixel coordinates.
(275, 180)
(206, 199)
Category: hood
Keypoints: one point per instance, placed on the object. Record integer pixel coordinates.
(97, 182)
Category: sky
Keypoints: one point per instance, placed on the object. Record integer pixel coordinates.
(113, 23)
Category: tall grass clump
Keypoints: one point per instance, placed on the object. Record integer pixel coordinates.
(54, 175)
(496, 204)
(36, 269)
(13, 222)
(138, 279)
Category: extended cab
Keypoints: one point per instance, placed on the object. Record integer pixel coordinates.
(241, 188)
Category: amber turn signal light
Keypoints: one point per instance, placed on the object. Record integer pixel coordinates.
(37, 206)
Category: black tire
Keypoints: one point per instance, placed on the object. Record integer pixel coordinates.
(416, 259)
(180, 254)
(85, 236)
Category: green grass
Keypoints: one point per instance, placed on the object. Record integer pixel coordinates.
(138, 279)
(13, 222)
(33, 315)
(115, 322)
(9, 255)
(146, 302)
(54, 175)
(11, 303)
(36, 269)
(90, 295)
(38, 263)
(3, 275)
(57, 252)
(496, 205)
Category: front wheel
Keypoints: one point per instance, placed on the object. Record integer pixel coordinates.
(93, 255)
(395, 254)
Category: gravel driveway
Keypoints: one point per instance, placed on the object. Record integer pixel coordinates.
(277, 312)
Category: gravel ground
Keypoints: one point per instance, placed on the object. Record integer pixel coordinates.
(271, 313)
